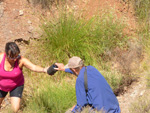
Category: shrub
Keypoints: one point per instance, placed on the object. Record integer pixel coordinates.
(89, 39)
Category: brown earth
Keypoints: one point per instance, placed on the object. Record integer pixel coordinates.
(19, 21)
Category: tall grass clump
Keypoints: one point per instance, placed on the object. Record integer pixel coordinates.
(113, 78)
(142, 8)
(52, 97)
(89, 39)
(142, 11)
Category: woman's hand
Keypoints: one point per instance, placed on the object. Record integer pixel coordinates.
(61, 67)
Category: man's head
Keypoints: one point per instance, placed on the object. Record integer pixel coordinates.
(75, 64)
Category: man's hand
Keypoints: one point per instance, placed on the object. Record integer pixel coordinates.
(61, 67)
(73, 107)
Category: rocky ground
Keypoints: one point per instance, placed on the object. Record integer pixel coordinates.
(19, 21)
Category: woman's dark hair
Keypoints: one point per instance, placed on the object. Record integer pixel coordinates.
(12, 49)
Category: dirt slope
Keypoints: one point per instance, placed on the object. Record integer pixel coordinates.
(19, 21)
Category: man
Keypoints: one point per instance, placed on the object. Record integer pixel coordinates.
(99, 95)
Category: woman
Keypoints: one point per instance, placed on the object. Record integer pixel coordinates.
(11, 75)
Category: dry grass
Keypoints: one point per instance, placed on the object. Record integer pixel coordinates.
(45, 3)
(141, 105)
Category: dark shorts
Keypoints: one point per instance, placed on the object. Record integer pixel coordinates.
(17, 92)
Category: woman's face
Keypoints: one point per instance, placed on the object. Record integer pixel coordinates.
(14, 58)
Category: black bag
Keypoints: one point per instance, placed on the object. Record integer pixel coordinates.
(51, 70)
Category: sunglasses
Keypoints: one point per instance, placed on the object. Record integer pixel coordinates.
(14, 57)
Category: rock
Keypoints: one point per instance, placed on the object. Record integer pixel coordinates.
(21, 12)
(125, 88)
(37, 35)
(1, 9)
(10, 31)
(30, 30)
(142, 92)
(29, 22)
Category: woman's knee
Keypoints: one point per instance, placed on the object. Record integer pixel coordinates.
(15, 104)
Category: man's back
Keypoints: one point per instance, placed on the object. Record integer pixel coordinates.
(99, 95)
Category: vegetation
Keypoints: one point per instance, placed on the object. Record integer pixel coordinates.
(90, 39)
(46, 3)
(93, 40)
(69, 36)
(142, 10)
(141, 105)
(52, 97)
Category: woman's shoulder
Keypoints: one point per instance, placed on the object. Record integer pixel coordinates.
(1, 53)
(22, 59)
(1, 56)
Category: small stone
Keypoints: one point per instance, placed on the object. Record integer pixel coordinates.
(21, 12)
(125, 88)
(29, 22)
(142, 92)
(1, 9)
(36, 35)
(30, 29)
(10, 31)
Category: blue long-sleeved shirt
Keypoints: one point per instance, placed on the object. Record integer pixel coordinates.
(99, 95)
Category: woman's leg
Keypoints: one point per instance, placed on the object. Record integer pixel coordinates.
(1, 100)
(15, 103)
(2, 96)
(16, 95)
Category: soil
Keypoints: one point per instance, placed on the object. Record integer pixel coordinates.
(20, 22)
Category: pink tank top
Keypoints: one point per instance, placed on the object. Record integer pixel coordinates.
(10, 79)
